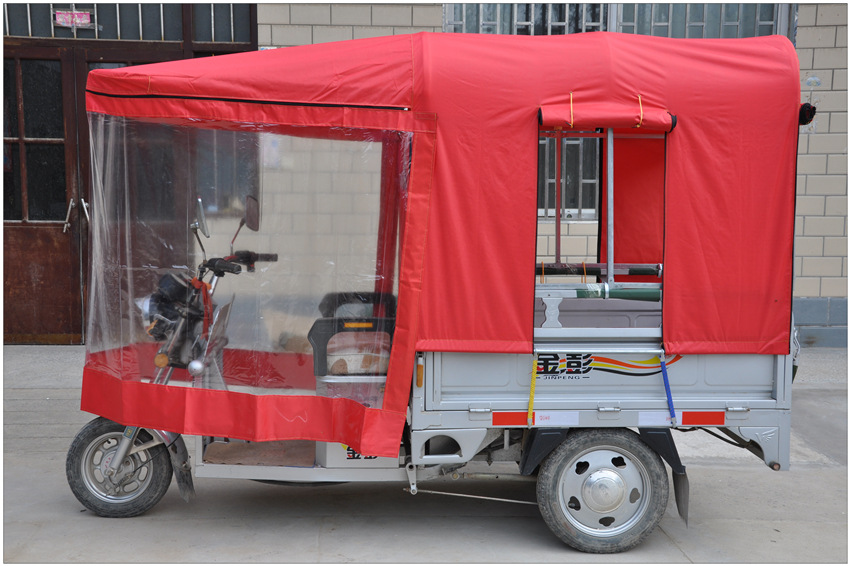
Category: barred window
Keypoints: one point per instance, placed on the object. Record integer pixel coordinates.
(525, 19)
(704, 20)
(580, 158)
(579, 176)
(216, 23)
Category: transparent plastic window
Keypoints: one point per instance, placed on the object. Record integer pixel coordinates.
(311, 218)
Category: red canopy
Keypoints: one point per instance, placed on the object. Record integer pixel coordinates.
(726, 179)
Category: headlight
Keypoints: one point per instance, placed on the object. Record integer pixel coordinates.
(158, 316)
(144, 305)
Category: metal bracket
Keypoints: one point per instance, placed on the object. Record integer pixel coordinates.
(411, 477)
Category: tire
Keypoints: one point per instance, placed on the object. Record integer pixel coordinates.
(143, 478)
(602, 490)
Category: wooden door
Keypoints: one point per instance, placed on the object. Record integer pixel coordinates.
(42, 278)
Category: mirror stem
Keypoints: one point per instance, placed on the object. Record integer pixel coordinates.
(203, 251)
(241, 224)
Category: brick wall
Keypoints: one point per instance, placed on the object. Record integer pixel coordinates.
(282, 25)
(820, 268)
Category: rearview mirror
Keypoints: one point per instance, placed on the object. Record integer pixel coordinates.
(252, 213)
(201, 222)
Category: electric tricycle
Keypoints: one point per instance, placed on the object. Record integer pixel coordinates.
(331, 263)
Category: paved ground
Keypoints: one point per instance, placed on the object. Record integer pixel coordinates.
(740, 510)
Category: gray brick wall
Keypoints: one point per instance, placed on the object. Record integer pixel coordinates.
(820, 267)
(283, 25)
(821, 237)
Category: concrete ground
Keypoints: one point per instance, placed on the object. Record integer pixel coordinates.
(740, 511)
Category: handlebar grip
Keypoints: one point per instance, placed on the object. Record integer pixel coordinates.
(267, 257)
(218, 265)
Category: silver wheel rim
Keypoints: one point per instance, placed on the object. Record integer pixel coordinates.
(131, 478)
(604, 491)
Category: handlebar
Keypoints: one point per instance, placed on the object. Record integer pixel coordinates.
(221, 266)
(249, 258)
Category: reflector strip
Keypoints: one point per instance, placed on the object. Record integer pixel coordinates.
(706, 418)
(514, 418)
(358, 325)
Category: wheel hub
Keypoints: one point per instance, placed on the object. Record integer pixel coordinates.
(604, 490)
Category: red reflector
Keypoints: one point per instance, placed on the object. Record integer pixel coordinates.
(511, 419)
(695, 418)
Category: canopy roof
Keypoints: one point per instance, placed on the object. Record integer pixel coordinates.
(729, 177)
(722, 180)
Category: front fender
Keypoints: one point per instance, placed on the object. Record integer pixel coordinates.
(179, 461)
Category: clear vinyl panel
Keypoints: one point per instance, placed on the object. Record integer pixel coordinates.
(310, 219)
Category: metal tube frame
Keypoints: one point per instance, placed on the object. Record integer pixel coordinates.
(609, 203)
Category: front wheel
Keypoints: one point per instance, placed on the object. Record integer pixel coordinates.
(139, 482)
(602, 490)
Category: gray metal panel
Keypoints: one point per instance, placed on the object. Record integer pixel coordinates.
(503, 381)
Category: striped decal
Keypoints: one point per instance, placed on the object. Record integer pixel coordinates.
(703, 418)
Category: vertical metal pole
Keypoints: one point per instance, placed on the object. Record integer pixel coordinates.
(609, 202)
(580, 200)
(558, 203)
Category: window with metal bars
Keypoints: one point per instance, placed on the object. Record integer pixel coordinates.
(704, 20)
(217, 23)
(525, 19)
(579, 177)
(580, 158)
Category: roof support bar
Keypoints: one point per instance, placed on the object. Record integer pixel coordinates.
(609, 201)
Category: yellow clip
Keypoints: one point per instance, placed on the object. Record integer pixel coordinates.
(640, 103)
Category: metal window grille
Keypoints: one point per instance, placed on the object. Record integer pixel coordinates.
(219, 23)
(580, 178)
(702, 20)
(525, 19)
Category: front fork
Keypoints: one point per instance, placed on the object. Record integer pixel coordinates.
(177, 451)
(122, 451)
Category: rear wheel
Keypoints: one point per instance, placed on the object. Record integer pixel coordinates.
(602, 490)
(137, 485)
